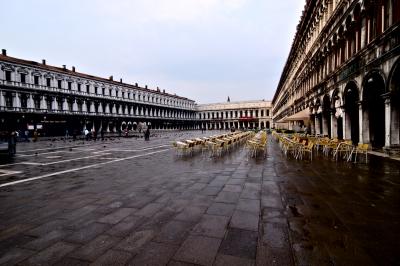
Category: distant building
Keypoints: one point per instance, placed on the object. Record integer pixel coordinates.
(53, 100)
(244, 114)
(342, 75)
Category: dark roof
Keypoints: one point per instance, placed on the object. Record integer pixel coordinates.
(81, 75)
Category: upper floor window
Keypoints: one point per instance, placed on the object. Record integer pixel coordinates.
(87, 88)
(95, 90)
(267, 112)
(129, 95)
(59, 84)
(103, 91)
(9, 99)
(23, 78)
(36, 80)
(69, 85)
(8, 75)
(262, 113)
(79, 86)
(123, 94)
(24, 101)
(48, 82)
(36, 102)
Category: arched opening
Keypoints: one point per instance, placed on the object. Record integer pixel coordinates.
(262, 125)
(326, 116)
(337, 122)
(374, 110)
(351, 99)
(123, 125)
(267, 125)
(394, 89)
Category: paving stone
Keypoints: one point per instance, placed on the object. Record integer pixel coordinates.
(95, 248)
(198, 250)
(210, 191)
(197, 186)
(236, 181)
(135, 241)
(201, 200)
(71, 262)
(245, 220)
(87, 233)
(224, 209)
(46, 240)
(232, 188)
(275, 235)
(191, 213)
(174, 232)
(149, 210)
(227, 197)
(14, 230)
(117, 216)
(240, 243)
(154, 254)
(223, 260)
(271, 201)
(211, 226)
(180, 263)
(126, 226)
(113, 257)
(249, 205)
(51, 254)
(15, 241)
(15, 255)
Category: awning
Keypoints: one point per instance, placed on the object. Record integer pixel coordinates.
(300, 116)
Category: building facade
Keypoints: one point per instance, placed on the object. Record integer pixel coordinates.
(342, 75)
(246, 114)
(53, 100)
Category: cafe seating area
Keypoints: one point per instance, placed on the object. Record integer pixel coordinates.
(257, 145)
(211, 146)
(302, 146)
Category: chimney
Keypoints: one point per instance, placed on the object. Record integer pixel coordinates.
(145, 86)
(73, 69)
(44, 61)
(65, 67)
(163, 91)
(111, 78)
(4, 52)
(136, 84)
(120, 80)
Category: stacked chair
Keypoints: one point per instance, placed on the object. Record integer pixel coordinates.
(257, 145)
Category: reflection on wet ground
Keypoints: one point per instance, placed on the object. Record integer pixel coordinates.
(129, 201)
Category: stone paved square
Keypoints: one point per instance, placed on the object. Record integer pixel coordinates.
(164, 209)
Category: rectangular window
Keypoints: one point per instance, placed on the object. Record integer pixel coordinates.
(87, 88)
(103, 91)
(36, 80)
(23, 78)
(129, 95)
(79, 87)
(59, 84)
(109, 92)
(48, 82)
(256, 113)
(60, 104)
(24, 101)
(69, 85)
(95, 90)
(8, 75)
(262, 113)
(267, 112)
(123, 94)
(236, 113)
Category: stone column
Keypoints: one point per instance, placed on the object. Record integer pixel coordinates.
(317, 126)
(360, 122)
(387, 121)
(65, 104)
(75, 106)
(30, 102)
(17, 100)
(54, 104)
(345, 134)
(2, 100)
(333, 125)
(43, 103)
(84, 106)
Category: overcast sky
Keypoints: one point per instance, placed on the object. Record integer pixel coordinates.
(205, 50)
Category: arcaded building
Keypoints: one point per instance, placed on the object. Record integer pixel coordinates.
(54, 100)
(243, 115)
(342, 75)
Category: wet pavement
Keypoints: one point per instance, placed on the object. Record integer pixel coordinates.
(127, 201)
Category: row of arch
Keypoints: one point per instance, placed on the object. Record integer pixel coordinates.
(365, 113)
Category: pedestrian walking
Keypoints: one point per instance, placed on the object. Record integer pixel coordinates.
(86, 134)
(26, 135)
(147, 134)
(35, 135)
(66, 134)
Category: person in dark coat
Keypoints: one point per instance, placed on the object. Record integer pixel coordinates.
(147, 134)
